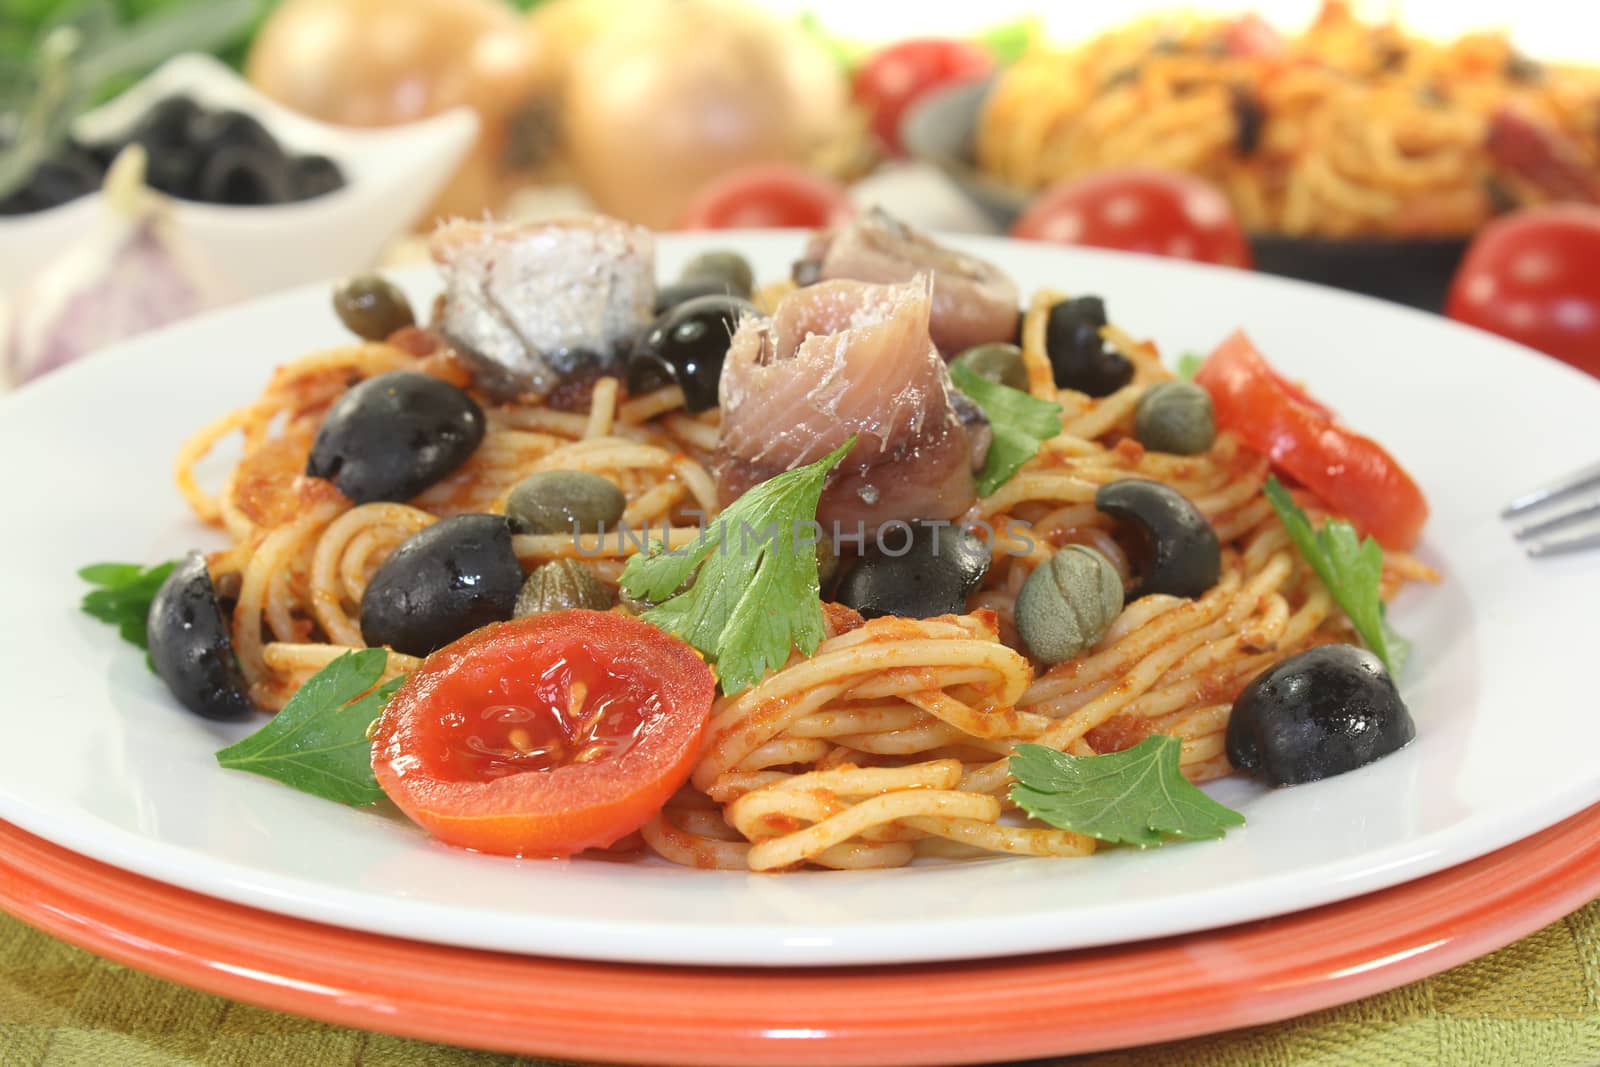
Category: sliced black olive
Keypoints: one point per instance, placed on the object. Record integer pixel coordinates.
(191, 647)
(1078, 355)
(688, 345)
(1185, 556)
(313, 176)
(933, 576)
(442, 583)
(244, 175)
(1248, 119)
(1318, 714)
(392, 436)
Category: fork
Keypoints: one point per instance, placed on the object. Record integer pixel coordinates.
(1559, 516)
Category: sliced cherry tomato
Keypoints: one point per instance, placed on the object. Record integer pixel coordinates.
(891, 80)
(775, 195)
(1139, 210)
(1534, 276)
(1353, 474)
(545, 735)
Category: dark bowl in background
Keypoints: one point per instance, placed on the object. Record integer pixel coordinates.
(941, 130)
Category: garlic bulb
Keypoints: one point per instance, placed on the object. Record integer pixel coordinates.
(132, 273)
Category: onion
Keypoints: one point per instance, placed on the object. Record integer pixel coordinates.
(380, 63)
(682, 91)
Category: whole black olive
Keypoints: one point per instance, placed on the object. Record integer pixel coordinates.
(245, 176)
(392, 436)
(64, 177)
(372, 307)
(1318, 714)
(724, 266)
(165, 124)
(174, 171)
(442, 583)
(191, 647)
(1185, 556)
(313, 176)
(1078, 354)
(212, 131)
(933, 576)
(688, 345)
(670, 296)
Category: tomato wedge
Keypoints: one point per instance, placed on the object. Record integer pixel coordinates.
(1353, 474)
(546, 735)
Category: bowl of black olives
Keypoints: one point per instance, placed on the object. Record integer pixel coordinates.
(272, 198)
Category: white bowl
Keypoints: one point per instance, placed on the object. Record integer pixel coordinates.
(391, 175)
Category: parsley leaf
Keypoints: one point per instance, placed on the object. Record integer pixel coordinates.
(124, 596)
(1351, 570)
(1019, 422)
(1189, 365)
(1135, 797)
(318, 743)
(756, 593)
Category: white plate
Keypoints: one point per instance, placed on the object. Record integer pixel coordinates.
(99, 759)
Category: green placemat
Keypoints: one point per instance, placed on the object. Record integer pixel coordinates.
(1534, 1003)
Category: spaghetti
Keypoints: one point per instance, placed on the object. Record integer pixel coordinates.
(1349, 128)
(890, 742)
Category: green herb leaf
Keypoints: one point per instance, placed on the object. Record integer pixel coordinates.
(318, 742)
(1350, 569)
(1135, 797)
(1189, 365)
(124, 596)
(755, 592)
(1018, 420)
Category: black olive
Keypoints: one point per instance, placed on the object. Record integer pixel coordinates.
(1185, 556)
(166, 124)
(933, 576)
(174, 171)
(191, 647)
(390, 437)
(245, 176)
(61, 179)
(212, 131)
(806, 272)
(1318, 714)
(687, 345)
(670, 296)
(1078, 355)
(313, 176)
(1248, 118)
(442, 583)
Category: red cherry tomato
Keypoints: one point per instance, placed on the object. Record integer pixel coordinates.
(545, 735)
(1534, 276)
(773, 195)
(1353, 474)
(892, 80)
(1139, 210)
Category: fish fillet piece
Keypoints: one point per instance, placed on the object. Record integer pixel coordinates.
(840, 358)
(974, 301)
(532, 305)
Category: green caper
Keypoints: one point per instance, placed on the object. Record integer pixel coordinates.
(563, 502)
(998, 362)
(1175, 417)
(562, 584)
(1068, 603)
(728, 268)
(372, 306)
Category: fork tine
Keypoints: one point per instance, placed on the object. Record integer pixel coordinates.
(1582, 537)
(1545, 519)
(1560, 487)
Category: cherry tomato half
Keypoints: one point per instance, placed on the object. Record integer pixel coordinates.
(1354, 474)
(893, 79)
(772, 195)
(1534, 276)
(1139, 210)
(545, 735)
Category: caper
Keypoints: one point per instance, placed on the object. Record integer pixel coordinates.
(1175, 417)
(563, 502)
(562, 584)
(726, 267)
(372, 306)
(998, 362)
(1068, 603)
